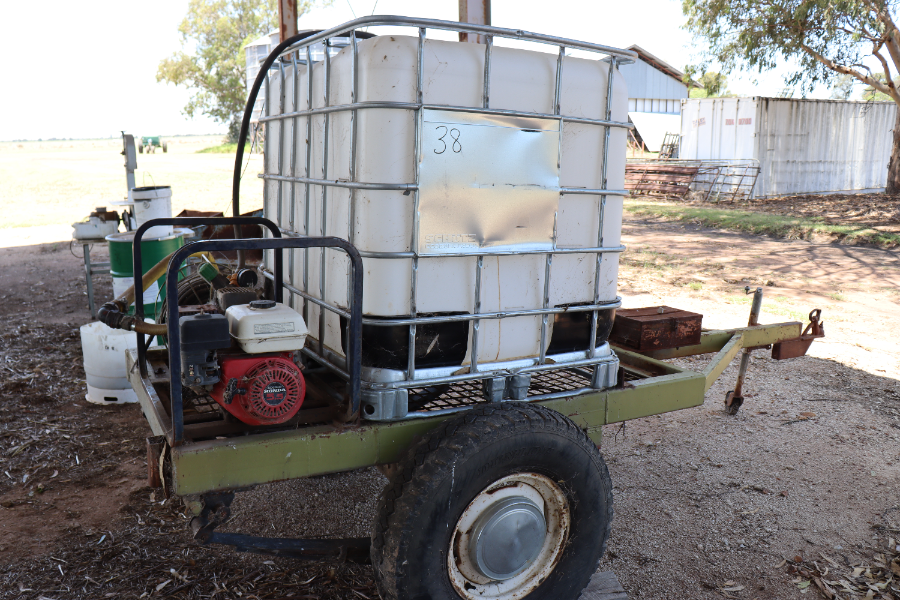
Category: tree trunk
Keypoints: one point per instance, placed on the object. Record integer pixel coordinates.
(893, 175)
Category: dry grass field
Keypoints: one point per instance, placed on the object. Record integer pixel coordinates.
(60, 182)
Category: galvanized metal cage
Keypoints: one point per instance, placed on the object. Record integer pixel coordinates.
(386, 392)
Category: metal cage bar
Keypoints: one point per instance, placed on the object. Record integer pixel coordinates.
(602, 221)
(306, 202)
(374, 104)
(353, 185)
(326, 84)
(414, 263)
(506, 314)
(280, 199)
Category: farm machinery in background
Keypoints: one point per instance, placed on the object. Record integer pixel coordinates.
(152, 143)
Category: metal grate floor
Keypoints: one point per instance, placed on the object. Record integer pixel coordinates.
(470, 393)
(199, 405)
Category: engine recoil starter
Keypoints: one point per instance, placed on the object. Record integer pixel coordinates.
(260, 389)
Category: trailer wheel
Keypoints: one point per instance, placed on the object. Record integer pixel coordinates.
(140, 148)
(165, 147)
(507, 501)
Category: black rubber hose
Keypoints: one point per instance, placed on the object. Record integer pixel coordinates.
(248, 111)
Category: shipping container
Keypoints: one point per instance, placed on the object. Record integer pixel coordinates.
(803, 146)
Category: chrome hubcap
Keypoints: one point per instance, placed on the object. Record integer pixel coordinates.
(507, 537)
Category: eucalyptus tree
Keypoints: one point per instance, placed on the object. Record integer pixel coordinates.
(211, 61)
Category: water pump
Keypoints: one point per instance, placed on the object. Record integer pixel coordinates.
(258, 382)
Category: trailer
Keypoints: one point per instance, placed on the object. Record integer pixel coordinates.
(437, 298)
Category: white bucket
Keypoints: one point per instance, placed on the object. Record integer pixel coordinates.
(104, 363)
(153, 202)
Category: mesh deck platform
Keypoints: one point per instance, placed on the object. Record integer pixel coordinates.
(468, 393)
(439, 397)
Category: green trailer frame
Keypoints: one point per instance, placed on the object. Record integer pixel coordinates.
(215, 465)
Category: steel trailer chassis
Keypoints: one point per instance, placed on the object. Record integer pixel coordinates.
(196, 462)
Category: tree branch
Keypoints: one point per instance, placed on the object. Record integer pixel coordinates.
(876, 52)
(862, 34)
(890, 34)
(884, 89)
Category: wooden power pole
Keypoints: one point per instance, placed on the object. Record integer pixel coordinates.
(477, 12)
(287, 18)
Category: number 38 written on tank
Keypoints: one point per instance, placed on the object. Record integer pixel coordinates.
(456, 146)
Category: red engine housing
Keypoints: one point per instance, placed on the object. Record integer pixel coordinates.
(259, 389)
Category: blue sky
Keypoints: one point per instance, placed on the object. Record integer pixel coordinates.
(98, 74)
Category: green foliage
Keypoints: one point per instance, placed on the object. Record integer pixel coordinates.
(819, 38)
(715, 85)
(870, 94)
(843, 87)
(227, 148)
(211, 60)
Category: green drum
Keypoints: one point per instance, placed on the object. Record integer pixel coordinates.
(153, 250)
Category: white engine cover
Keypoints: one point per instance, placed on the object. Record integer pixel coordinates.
(259, 330)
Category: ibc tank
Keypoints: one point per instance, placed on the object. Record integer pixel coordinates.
(467, 189)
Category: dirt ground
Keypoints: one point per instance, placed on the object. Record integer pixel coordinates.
(707, 505)
(875, 211)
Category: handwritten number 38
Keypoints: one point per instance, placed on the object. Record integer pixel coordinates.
(454, 134)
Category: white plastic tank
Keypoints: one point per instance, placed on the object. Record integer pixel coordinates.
(104, 363)
(521, 80)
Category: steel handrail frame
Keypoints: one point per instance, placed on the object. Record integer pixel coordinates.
(354, 342)
(136, 253)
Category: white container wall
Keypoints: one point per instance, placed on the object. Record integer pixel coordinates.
(718, 129)
(803, 146)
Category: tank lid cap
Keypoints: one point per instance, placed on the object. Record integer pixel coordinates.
(262, 304)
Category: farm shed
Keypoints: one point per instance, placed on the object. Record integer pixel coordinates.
(654, 86)
(802, 146)
(655, 92)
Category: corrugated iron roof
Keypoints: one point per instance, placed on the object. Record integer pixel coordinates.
(661, 65)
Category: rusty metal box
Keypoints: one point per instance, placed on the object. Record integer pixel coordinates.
(655, 328)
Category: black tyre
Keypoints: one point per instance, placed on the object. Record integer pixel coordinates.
(165, 147)
(505, 501)
(140, 148)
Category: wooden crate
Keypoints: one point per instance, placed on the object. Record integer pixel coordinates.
(655, 328)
